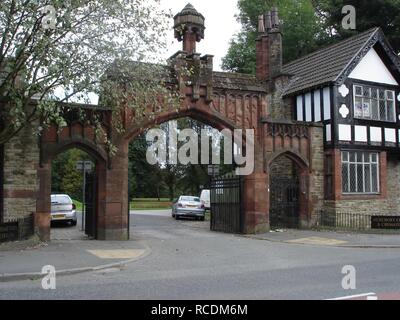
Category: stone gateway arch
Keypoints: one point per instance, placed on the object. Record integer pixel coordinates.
(222, 100)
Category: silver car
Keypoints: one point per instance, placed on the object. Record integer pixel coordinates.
(63, 209)
(188, 206)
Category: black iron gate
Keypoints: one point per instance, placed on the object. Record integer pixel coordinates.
(226, 205)
(284, 202)
(90, 205)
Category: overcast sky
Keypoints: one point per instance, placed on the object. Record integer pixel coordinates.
(220, 22)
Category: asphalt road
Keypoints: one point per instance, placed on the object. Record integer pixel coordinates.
(190, 262)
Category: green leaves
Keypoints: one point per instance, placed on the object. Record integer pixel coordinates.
(300, 28)
(67, 63)
(370, 14)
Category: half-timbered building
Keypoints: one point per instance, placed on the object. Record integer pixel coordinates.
(352, 88)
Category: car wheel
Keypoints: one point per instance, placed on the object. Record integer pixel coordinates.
(74, 223)
(176, 217)
(202, 219)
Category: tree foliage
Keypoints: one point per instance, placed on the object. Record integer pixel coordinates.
(308, 25)
(145, 180)
(168, 180)
(300, 27)
(65, 176)
(42, 65)
(369, 14)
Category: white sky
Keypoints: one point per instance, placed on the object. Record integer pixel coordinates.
(220, 23)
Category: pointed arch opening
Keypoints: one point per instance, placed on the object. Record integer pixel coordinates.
(288, 190)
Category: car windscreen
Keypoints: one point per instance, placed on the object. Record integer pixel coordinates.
(190, 199)
(60, 199)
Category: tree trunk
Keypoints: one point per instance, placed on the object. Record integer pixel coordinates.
(171, 192)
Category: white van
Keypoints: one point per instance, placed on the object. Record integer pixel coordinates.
(205, 198)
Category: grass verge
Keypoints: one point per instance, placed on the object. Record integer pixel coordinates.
(150, 204)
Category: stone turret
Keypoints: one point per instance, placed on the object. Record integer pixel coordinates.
(189, 28)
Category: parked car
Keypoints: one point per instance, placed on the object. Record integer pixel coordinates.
(63, 209)
(205, 198)
(188, 206)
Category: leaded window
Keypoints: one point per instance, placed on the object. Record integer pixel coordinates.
(374, 103)
(360, 172)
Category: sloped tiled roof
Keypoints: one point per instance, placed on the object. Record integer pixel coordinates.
(325, 65)
(237, 81)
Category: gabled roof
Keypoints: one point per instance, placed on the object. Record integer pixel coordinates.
(334, 63)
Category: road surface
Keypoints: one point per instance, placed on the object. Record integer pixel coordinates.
(188, 261)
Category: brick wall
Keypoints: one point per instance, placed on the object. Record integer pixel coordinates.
(21, 158)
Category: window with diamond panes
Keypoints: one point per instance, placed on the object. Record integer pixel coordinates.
(360, 172)
(374, 103)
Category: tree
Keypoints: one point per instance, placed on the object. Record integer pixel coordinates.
(145, 180)
(169, 179)
(65, 177)
(59, 51)
(300, 27)
(369, 14)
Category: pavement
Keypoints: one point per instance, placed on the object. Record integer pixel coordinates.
(331, 239)
(69, 251)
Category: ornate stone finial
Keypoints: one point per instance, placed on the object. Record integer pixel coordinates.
(189, 27)
(261, 25)
(268, 21)
(275, 18)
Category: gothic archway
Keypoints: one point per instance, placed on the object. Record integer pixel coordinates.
(95, 186)
(288, 191)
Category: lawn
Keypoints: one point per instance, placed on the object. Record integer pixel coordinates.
(140, 204)
(78, 205)
(149, 204)
(145, 204)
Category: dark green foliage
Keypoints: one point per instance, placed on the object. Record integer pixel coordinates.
(300, 27)
(308, 25)
(166, 181)
(65, 177)
(145, 180)
(369, 14)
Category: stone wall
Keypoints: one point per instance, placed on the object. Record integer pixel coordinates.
(21, 159)
(283, 167)
(393, 188)
(317, 173)
(387, 204)
(280, 109)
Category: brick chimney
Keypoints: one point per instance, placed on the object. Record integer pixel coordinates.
(262, 51)
(269, 46)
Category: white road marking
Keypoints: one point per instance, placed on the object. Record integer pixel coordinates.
(363, 295)
(117, 254)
